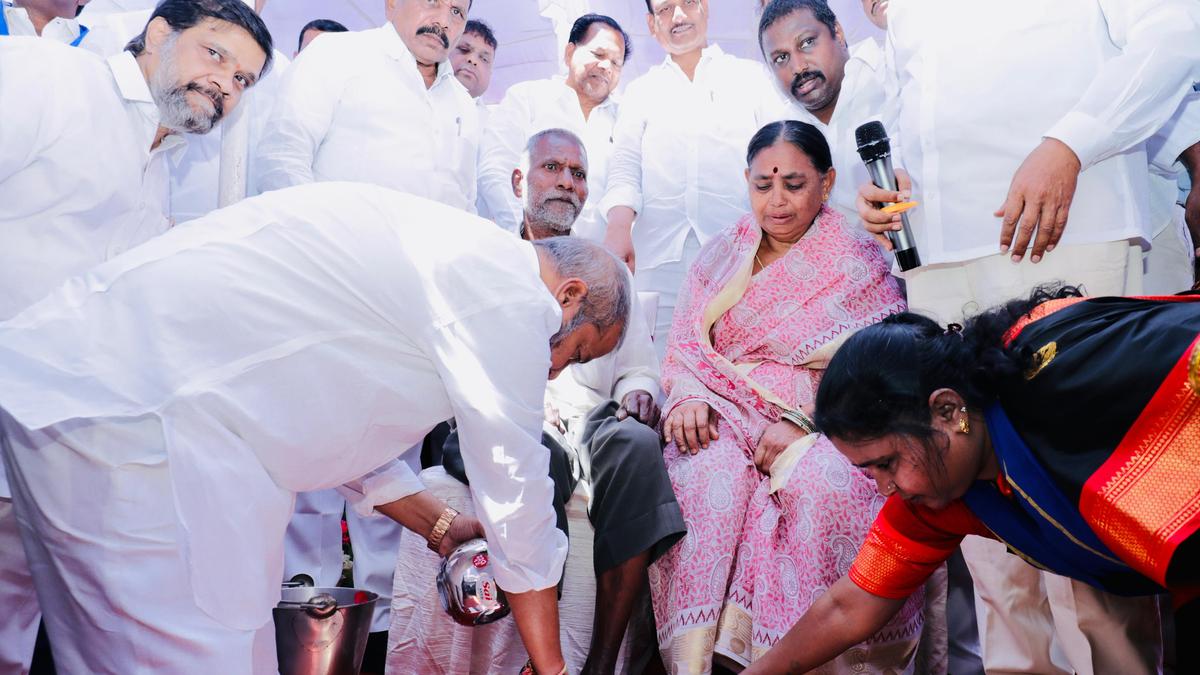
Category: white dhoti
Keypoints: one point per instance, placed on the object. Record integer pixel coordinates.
(116, 504)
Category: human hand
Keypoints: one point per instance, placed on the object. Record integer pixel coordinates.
(692, 425)
(462, 529)
(774, 441)
(639, 405)
(618, 237)
(874, 218)
(1039, 198)
(551, 416)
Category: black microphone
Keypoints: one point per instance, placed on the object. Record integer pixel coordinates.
(876, 153)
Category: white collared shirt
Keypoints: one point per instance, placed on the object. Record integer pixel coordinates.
(982, 83)
(78, 180)
(1181, 132)
(303, 338)
(861, 99)
(680, 150)
(58, 29)
(530, 107)
(353, 106)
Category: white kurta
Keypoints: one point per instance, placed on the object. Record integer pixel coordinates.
(353, 106)
(297, 341)
(85, 125)
(680, 150)
(530, 107)
(862, 99)
(982, 83)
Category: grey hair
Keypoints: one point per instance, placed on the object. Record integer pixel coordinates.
(547, 133)
(610, 291)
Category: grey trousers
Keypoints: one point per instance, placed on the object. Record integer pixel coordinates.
(633, 506)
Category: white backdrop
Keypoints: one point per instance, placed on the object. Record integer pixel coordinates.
(532, 33)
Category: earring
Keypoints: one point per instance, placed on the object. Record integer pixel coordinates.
(964, 422)
(891, 489)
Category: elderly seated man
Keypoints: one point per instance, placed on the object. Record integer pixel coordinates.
(599, 418)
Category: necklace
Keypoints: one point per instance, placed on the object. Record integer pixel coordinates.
(761, 266)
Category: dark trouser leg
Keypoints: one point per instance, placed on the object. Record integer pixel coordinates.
(1187, 638)
(562, 462)
(636, 519)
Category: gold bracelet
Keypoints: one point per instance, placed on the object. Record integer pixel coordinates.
(440, 527)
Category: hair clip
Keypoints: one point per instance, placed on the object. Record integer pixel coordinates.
(954, 329)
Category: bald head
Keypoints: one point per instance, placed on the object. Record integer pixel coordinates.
(551, 182)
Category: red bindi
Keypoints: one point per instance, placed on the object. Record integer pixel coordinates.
(775, 169)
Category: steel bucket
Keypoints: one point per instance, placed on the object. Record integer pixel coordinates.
(314, 636)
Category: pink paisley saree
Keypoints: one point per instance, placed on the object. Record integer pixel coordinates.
(760, 549)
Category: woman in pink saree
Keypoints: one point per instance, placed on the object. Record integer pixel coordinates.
(774, 513)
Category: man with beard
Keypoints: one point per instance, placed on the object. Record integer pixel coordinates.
(582, 102)
(829, 85)
(380, 106)
(51, 19)
(82, 176)
(679, 152)
(160, 413)
(598, 428)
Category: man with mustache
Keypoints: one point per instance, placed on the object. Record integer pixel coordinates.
(599, 429)
(83, 177)
(827, 84)
(380, 106)
(582, 102)
(680, 150)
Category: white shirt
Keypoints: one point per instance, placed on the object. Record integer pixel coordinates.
(680, 150)
(295, 341)
(353, 106)
(530, 107)
(78, 180)
(982, 83)
(1181, 132)
(58, 29)
(862, 99)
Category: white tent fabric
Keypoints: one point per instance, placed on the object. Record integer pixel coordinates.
(532, 33)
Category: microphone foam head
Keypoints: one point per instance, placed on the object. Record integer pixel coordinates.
(872, 140)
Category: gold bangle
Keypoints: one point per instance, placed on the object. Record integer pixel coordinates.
(800, 419)
(440, 528)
